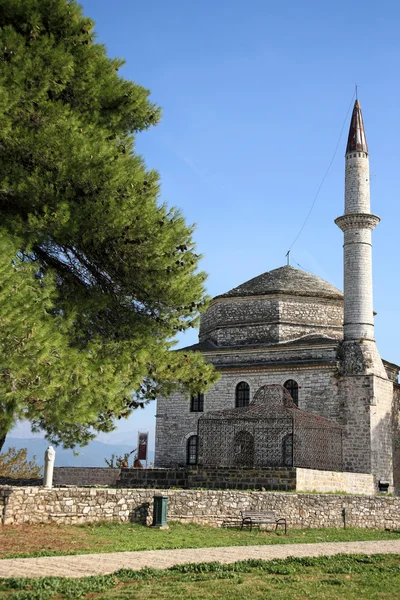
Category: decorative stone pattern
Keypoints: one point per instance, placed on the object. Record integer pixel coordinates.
(308, 480)
(83, 505)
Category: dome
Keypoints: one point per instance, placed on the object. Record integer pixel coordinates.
(285, 280)
(280, 306)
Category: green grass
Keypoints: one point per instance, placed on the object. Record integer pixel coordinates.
(338, 577)
(52, 540)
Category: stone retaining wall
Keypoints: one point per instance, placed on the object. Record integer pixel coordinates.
(20, 482)
(210, 478)
(85, 476)
(83, 505)
(283, 479)
(308, 480)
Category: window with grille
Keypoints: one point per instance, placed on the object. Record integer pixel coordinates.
(293, 389)
(242, 394)
(191, 451)
(287, 450)
(197, 403)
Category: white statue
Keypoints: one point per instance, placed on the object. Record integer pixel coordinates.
(49, 458)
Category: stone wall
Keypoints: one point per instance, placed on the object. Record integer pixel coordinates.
(309, 480)
(382, 430)
(367, 421)
(270, 479)
(210, 478)
(356, 393)
(83, 505)
(85, 476)
(396, 437)
(19, 482)
(270, 319)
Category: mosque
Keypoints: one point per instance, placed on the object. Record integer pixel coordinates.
(302, 382)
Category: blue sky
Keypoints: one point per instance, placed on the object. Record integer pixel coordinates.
(254, 94)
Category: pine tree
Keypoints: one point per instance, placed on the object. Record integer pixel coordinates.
(96, 276)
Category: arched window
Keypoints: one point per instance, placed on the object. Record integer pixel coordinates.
(287, 450)
(293, 389)
(242, 394)
(191, 450)
(243, 449)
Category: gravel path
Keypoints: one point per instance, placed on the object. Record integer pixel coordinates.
(99, 564)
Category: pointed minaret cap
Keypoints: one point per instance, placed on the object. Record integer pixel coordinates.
(357, 142)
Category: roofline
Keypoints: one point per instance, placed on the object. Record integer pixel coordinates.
(390, 364)
(281, 365)
(253, 348)
(280, 293)
(239, 325)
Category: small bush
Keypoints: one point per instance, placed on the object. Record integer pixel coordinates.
(14, 463)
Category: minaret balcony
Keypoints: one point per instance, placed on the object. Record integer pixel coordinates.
(357, 221)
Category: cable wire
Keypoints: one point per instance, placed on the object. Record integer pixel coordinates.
(324, 177)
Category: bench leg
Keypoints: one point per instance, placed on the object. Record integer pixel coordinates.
(247, 521)
(281, 522)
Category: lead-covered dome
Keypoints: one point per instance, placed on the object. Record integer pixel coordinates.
(278, 306)
(285, 280)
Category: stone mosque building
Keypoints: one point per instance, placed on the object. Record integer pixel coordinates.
(302, 382)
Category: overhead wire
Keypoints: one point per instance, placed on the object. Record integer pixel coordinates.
(324, 177)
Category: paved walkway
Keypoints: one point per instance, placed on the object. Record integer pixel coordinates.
(100, 564)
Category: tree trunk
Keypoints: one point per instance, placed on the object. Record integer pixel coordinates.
(2, 440)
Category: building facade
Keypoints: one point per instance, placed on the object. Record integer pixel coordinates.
(290, 328)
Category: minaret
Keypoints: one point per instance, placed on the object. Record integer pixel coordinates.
(357, 224)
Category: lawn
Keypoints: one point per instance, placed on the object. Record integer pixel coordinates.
(338, 577)
(50, 540)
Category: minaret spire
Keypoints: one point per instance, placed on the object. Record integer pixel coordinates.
(357, 224)
(357, 141)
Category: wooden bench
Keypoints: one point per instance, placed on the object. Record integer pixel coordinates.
(255, 517)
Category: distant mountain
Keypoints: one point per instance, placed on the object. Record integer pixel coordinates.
(92, 455)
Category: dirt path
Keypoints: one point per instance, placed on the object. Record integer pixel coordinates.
(99, 564)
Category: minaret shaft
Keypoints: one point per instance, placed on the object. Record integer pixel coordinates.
(357, 225)
(358, 304)
(357, 188)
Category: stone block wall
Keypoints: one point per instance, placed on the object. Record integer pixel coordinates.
(34, 481)
(270, 319)
(396, 437)
(82, 476)
(382, 430)
(83, 505)
(240, 320)
(210, 478)
(309, 480)
(356, 393)
(366, 402)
